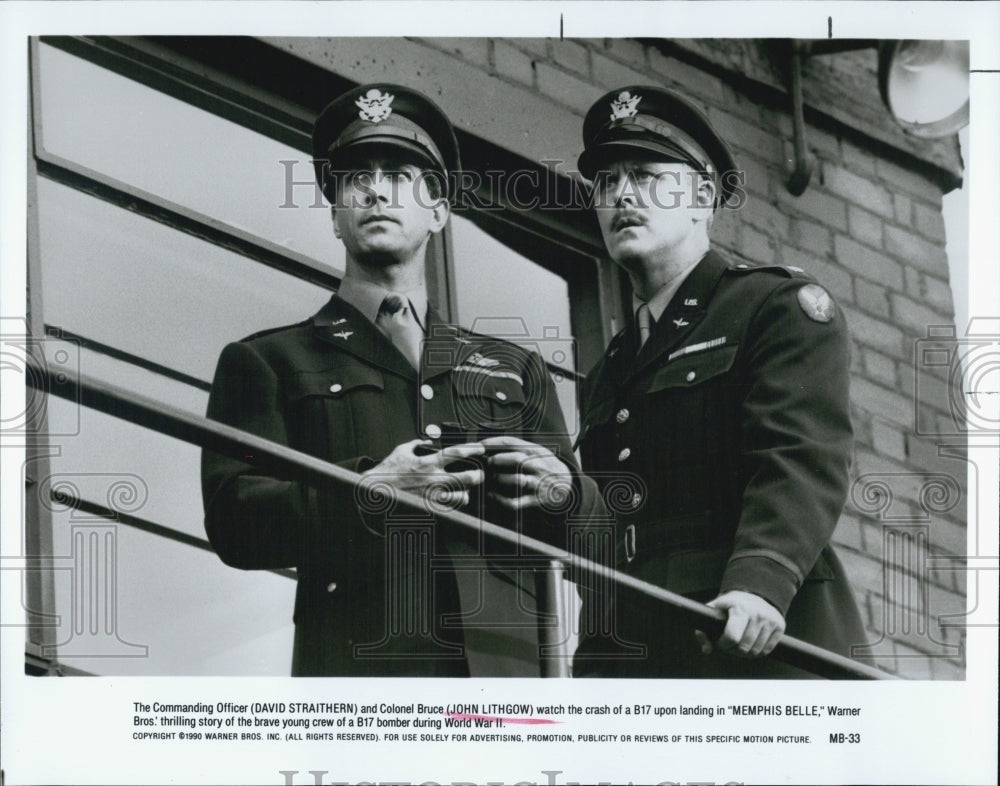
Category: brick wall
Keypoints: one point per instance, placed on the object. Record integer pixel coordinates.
(869, 227)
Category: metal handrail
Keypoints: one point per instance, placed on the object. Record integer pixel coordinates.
(281, 460)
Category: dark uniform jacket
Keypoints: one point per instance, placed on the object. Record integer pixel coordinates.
(378, 592)
(729, 440)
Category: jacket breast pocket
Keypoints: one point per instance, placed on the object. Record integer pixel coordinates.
(686, 407)
(327, 411)
(491, 401)
(694, 370)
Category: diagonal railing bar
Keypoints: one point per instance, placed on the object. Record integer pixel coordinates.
(284, 462)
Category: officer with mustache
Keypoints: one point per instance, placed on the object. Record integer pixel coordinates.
(724, 403)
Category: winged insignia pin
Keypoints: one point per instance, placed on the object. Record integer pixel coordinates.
(344, 334)
(478, 360)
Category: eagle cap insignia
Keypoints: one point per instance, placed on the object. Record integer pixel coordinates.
(374, 105)
(625, 105)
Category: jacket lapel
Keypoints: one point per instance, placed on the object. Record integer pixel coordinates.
(348, 330)
(686, 309)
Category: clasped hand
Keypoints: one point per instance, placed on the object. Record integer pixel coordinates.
(425, 474)
(525, 475)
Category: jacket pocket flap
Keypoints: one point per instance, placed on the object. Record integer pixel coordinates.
(693, 369)
(492, 386)
(334, 382)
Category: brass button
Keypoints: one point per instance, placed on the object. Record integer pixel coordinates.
(331, 586)
(690, 377)
(622, 415)
(336, 387)
(433, 431)
(427, 392)
(624, 454)
(636, 500)
(501, 395)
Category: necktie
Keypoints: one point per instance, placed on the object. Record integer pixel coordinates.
(395, 319)
(644, 320)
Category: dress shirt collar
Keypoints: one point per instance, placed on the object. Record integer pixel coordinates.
(661, 298)
(367, 298)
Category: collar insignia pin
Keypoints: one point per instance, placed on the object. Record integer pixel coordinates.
(691, 301)
(625, 106)
(681, 322)
(374, 106)
(344, 334)
(340, 321)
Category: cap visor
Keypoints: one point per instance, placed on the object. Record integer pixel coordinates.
(591, 161)
(341, 158)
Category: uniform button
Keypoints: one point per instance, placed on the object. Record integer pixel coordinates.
(636, 500)
(331, 586)
(501, 395)
(622, 415)
(336, 387)
(433, 431)
(690, 377)
(427, 392)
(624, 454)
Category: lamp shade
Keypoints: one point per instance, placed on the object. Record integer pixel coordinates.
(925, 85)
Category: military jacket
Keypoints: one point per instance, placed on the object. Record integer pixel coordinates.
(729, 440)
(377, 593)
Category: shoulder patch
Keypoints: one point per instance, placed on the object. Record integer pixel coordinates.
(816, 303)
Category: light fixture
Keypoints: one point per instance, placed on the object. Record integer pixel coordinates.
(924, 85)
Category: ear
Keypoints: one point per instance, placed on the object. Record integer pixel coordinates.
(439, 215)
(333, 218)
(705, 196)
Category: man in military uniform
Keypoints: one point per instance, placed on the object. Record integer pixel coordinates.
(723, 405)
(378, 383)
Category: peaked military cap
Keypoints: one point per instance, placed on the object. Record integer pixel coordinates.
(654, 120)
(382, 114)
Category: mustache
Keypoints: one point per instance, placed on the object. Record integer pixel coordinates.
(627, 218)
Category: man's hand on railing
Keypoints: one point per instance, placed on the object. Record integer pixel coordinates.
(412, 467)
(752, 630)
(528, 475)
